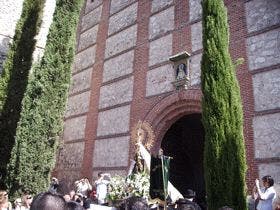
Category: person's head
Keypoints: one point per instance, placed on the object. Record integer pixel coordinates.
(17, 202)
(72, 205)
(267, 181)
(72, 194)
(67, 197)
(3, 197)
(48, 201)
(100, 174)
(26, 200)
(190, 194)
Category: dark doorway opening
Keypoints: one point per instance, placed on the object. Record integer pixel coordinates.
(184, 141)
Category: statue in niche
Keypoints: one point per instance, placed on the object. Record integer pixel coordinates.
(181, 71)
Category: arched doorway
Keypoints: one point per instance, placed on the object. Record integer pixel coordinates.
(184, 141)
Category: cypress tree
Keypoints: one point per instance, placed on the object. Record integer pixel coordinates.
(13, 80)
(41, 119)
(224, 151)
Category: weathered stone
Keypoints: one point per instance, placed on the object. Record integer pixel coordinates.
(88, 38)
(81, 81)
(123, 19)
(90, 5)
(111, 152)
(195, 10)
(117, 5)
(121, 41)
(160, 80)
(161, 22)
(195, 70)
(74, 128)
(91, 18)
(263, 49)
(267, 90)
(261, 14)
(113, 121)
(111, 172)
(266, 135)
(159, 4)
(77, 104)
(84, 59)
(116, 93)
(38, 54)
(271, 169)
(68, 177)
(46, 23)
(118, 66)
(4, 44)
(10, 12)
(196, 30)
(71, 155)
(160, 50)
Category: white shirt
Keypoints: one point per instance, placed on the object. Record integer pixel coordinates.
(101, 190)
(266, 198)
(83, 188)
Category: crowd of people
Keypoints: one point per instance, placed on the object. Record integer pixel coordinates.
(86, 194)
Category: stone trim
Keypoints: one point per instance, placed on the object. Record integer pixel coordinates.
(262, 31)
(113, 107)
(266, 112)
(121, 8)
(76, 115)
(265, 69)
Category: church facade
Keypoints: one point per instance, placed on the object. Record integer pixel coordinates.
(137, 64)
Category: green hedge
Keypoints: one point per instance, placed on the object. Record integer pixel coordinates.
(224, 151)
(41, 120)
(14, 77)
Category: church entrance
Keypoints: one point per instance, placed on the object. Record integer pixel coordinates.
(184, 142)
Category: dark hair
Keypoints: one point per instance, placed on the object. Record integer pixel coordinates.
(100, 174)
(269, 180)
(48, 201)
(72, 205)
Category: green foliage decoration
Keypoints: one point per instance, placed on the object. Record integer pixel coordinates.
(224, 151)
(13, 80)
(44, 102)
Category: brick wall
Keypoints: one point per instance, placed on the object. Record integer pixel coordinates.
(124, 48)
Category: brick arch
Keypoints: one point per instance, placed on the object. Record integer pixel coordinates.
(170, 109)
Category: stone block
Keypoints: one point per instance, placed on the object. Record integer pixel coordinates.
(195, 69)
(267, 90)
(272, 169)
(74, 128)
(159, 4)
(117, 5)
(69, 177)
(88, 38)
(111, 172)
(161, 23)
(81, 81)
(159, 80)
(196, 30)
(113, 121)
(195, 10)
(4, 44)
(78, 104)
(84, 59)
(121, 41)
(118, 66)
(90, 5)
(111, 152)
(116, 93)
(262, 49)
(38, 54)
(160, 50)
(266, 135)
(10, 12)
(71, 155)
(262, 14)
(123, 19)
(91, 18)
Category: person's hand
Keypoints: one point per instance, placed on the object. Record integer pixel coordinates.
(257, 183)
